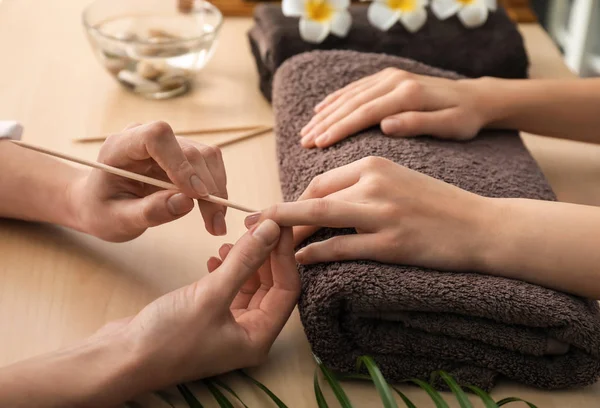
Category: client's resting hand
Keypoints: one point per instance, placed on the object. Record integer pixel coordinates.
(405, 104)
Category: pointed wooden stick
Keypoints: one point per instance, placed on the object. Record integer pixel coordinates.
(244, 136)
(192, 132)
(129, 175)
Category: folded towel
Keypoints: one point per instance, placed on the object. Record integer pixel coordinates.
(495, 49)
(414, 320)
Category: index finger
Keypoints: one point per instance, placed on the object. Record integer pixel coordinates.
(154, 141)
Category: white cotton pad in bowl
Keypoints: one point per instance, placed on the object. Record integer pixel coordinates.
(9, 129)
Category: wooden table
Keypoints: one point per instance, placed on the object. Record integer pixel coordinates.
(58, 286)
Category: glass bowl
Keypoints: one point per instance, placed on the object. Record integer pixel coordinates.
(153, 47)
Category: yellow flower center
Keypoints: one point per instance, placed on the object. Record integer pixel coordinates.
(402, 5)
(465, 2)
(318, 10)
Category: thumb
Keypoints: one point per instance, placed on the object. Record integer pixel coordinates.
(407, 124)
(246, 257)
(139, 214)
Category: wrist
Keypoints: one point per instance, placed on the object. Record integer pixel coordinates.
(490, 100)
(490, 235)
(100, 372)
(76, 208)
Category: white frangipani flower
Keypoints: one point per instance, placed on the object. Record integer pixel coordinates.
(472, 13)
(383, 14)
(318, 18)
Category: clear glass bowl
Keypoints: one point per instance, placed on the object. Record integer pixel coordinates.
(153, 47)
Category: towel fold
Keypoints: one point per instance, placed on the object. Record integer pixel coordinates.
(495, 49)
(413, 320)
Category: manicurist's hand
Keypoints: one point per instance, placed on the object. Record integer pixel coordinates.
(226, 320)
(118, 209)
(401, 216)
(403, 103)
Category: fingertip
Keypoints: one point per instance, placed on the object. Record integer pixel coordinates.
(219, 224)
(323, 140)
(224, 251)
(179, 204)
(268, 232)
(213, 263)
(391, 126)
(301, 257)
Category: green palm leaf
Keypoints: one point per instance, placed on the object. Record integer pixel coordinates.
(485, 397)
(164, 397)
(267, 391)
(514, 399)
(189, 396)
(228, 389)
(218, 395)
(334, 384)
(407, 402)
(461, 397)
(321, 402)
(433, 394)
(380, 384)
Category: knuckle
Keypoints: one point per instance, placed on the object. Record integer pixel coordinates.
(389, 71)
(272, 212)
(192, 153)
(367, 111)
(411, 88)
(315, 184)
(319, 207)
(337, 249)
(247, 259)
(108, 147)
(158, 130)
(372, 162)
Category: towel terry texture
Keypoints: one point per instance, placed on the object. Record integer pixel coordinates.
(495, 49)
(414, 320)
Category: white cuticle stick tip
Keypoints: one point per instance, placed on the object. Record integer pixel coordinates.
(9, 129)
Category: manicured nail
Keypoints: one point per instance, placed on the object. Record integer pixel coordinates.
(319, 106)
(299, 255)
(178, 204)
(198, 185)
(321, 140)
(219, 224)
(267, 231)
(251, 220)
(390, 125)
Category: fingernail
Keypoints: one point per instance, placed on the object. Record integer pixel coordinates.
(389, 125)
(321, 140)
(267, 231)
(318, 106)
(219, 224)
(299, 255)
(198, 185)
(178, 204)
(251, 220)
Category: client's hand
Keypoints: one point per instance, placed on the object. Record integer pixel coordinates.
(404, 104)
(226, 320)
(400, 215)
(118, 209)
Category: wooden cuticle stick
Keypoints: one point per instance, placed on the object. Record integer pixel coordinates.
(130, 175)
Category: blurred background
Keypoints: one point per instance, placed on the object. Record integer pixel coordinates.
(575, 27)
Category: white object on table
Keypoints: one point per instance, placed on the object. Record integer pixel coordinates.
(10, 129)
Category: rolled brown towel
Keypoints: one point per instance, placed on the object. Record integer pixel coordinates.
(413, 320)
(495, 49)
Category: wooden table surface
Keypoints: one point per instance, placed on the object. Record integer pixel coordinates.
(57, 286)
